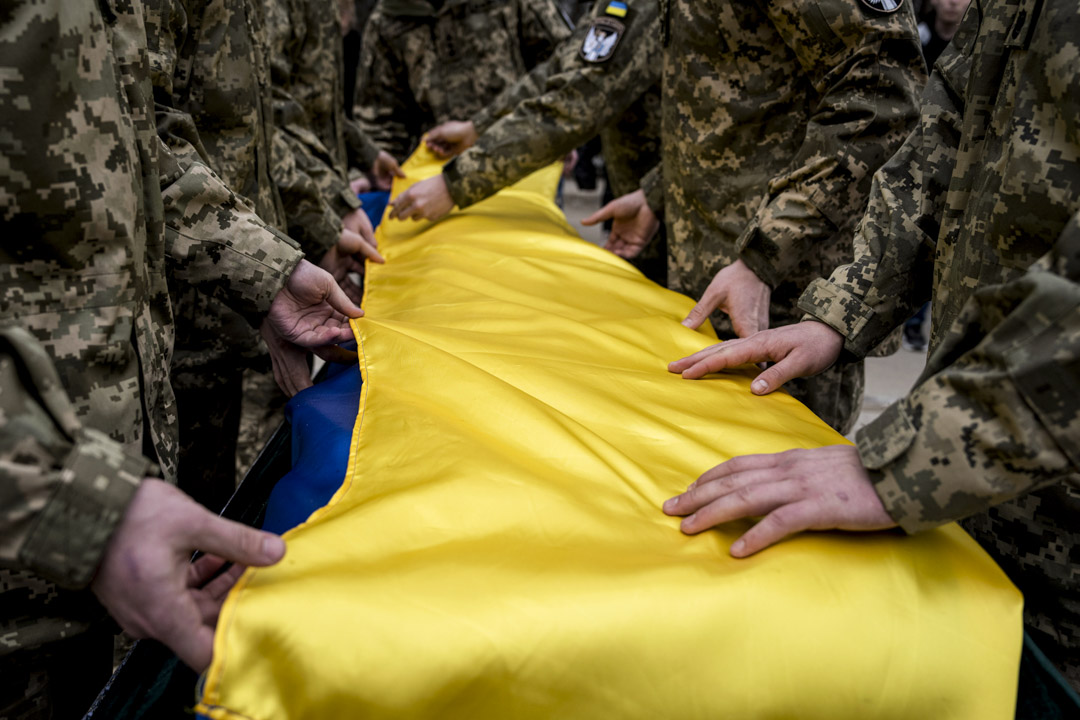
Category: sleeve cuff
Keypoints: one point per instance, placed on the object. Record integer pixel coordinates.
(842, 311)
(483, 120)
(97, 482)
(880, 443)
(653, 186)
(754, 259)
(345, 202)
(459, 187)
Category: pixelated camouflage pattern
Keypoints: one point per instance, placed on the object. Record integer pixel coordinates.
(775, 116)
(979, 209)
(562, 103)
(420, 66)
(85, 185)
(307, 71)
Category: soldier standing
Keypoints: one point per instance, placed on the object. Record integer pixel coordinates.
(425, 62)
(98, 219)
(775, 116)
(564, 101)
(980, 210)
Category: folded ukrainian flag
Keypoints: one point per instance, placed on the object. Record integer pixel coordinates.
(497, 549)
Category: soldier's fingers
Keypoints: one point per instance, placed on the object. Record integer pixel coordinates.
(677, 366)
(339, 301)
(739, 465)
(209, 599)
(604, 213)
(203, 569)
(730, 354)
(400, 204)
(232, 541)
(747, 501)
(776, 375)
(699, 495)
(785, 520)
(193, 644)
(704, 308)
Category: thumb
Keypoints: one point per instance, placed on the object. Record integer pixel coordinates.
(701, 311)
(234, 542)
(774, 377)
(337, 299)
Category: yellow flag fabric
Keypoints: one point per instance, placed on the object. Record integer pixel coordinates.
(497, 549)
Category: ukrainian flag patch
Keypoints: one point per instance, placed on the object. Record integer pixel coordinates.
(616, 8)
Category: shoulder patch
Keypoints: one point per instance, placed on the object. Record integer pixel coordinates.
(883, 6)
(601, 40)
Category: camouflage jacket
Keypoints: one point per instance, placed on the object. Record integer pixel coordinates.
(980, 208)
(307, 65)
(420, 66)
(85, 317)
(210, 65)
(566, 100)
(775, 116)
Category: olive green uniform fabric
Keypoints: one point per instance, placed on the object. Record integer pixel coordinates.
(209, 62)
(565, 101)
(96, 213)
(775, 116)
(980, 210)
(306, 66)
(422, 65)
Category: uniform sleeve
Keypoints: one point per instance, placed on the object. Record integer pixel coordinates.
(64, 488)
(891, 276)
(867, 71)
(531, 84)
(360, 148)
(996, 413)
(312, 220)
(543, 27)
(653, 187)
(576, 101)
(213, 239)
(383, 111)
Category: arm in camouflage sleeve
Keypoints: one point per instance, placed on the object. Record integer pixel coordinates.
(577, 100)
(891, 275)
(528, 85)
(653, 187)
(382, 110)
(996, 413)
(311, 219)
(214, 240)
(361, 149)
(867, 70)
(543, 26)
(63, 487)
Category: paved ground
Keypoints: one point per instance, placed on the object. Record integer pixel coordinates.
(886, 378)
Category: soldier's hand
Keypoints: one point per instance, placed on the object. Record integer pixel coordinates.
(385, 169)
(347, 257)
(824, 488)
(426, 200)
(312, 312)
(633, 224)
(739, 292)
(451, 138)
(358, 237)
(148, 584)
(798, 350)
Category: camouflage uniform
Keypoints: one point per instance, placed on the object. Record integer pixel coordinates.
(96, 211)
(422, 64)
(562, 103)
(980, 208)
(306, 66)
(565, 101)
(775, 116)
(209, 64)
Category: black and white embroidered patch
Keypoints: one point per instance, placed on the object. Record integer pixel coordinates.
(883, 6)
(602, 39)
